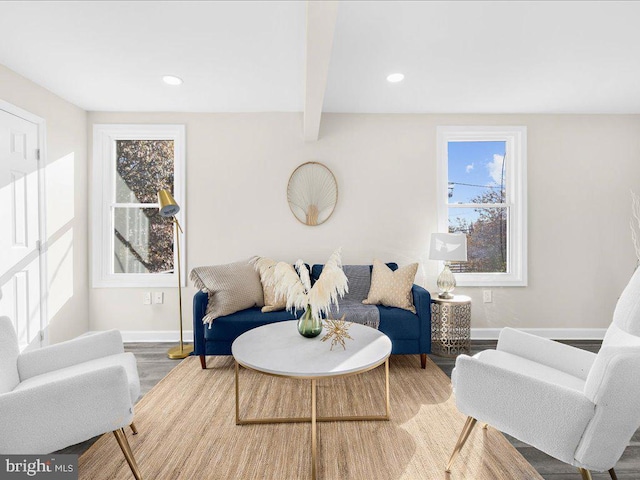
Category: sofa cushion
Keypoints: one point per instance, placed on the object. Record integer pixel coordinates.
(229, 327)
(399, 323)
(231, 288)
(392, 288)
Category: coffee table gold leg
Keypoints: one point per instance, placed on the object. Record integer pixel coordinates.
(313, 429)
(237, 396)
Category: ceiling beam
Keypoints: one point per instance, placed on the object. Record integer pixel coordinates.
(321, 23)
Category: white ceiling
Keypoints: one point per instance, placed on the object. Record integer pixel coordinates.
(471, 57)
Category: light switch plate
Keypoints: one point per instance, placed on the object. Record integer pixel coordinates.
(158, 297)
(146, 298)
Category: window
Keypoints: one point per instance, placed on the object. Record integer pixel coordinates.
(482, 193)
(133, 246)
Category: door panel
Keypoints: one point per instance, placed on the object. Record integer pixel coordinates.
(19, 239)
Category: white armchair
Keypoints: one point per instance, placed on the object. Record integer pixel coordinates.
(66, 393)
(576, 406)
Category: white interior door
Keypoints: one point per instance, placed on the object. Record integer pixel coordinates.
(19, 227)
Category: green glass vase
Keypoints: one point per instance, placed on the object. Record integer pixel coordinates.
(308, 324)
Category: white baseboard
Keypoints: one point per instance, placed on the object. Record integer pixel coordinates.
(135, 336)
(552, 333)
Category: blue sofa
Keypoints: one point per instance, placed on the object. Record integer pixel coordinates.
(409, 333)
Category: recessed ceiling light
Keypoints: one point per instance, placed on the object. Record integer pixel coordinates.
(171, 80)
(395, 77)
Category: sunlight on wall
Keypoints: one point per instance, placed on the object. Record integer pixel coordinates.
(60, 193)
(60, 272)
(59, 245)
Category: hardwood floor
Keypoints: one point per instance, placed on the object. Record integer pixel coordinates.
(153, 365)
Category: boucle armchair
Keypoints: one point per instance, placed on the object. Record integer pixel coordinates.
(66, 393)
(576, 406)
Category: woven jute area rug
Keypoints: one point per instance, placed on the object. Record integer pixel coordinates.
(188, 431)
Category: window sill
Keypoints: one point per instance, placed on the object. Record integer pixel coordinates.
(138, 281)
(490, 280)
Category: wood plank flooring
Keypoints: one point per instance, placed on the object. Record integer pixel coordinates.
(153, 365)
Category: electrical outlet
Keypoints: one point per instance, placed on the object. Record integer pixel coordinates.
(146, 298)
(487, 297)
(158, 297)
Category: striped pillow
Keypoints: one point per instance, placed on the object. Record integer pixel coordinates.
(231, 288)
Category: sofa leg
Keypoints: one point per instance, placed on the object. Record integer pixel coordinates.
(612, 472)
(133, 428)
(464, 435)
(128, 454)
(203, 362)
(423, 360)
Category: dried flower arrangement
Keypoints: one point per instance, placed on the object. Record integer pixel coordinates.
(295, 284)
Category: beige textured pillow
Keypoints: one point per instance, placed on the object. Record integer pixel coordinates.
(271, 303)
(231, 288)
(392, 289)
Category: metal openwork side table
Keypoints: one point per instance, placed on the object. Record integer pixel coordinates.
(450, 325)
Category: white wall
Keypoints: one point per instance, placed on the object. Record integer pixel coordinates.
(580, 171)
(66, 196)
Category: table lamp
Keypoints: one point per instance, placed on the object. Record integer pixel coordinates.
(170, 208)
(448, 247)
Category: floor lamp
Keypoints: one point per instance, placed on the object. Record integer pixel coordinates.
(169, 208)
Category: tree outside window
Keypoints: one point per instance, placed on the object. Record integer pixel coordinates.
(143, 239)
(477, 176)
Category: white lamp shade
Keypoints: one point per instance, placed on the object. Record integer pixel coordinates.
(450, 247)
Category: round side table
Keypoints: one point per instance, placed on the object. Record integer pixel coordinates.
(450, 325)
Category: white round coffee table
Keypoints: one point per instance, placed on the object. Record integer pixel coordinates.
(278, 349)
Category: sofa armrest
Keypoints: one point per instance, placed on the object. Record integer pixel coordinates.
(69, 353)
(48, 417)
(422, 302)
(200, 300)
(568, 359)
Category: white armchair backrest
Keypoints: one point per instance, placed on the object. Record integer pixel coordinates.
(613, 384)
(9, 352)
(626, 316)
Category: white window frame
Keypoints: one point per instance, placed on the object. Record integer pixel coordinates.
(104, 178)
(516, 198)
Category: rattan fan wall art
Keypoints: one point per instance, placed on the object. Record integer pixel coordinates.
(312, 193)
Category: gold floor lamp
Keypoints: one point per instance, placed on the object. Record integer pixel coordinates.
(169, 208)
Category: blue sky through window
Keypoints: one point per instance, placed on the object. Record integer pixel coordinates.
(475, 168)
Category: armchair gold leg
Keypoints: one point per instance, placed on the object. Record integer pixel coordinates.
(464, 435)
(485, 426)
(613, 475)
(133, 428)
(586, 474)
(121, 437)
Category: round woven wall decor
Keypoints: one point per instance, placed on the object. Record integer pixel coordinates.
(312, 193)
